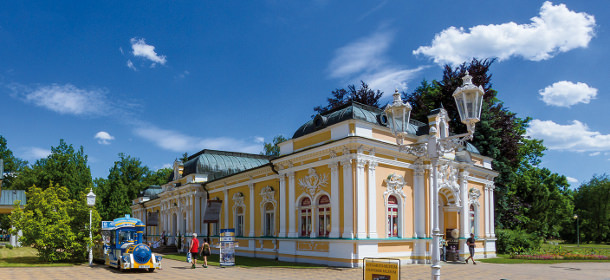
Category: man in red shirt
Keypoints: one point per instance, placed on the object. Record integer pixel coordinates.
(194, 249)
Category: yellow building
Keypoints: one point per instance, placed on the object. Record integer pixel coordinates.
(339, 191)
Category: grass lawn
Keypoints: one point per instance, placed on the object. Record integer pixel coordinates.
(213, 260)
(601, 249)
(23, 256)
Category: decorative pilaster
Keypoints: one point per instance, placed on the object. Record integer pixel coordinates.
(463, 181)
(334, 200)
(251, 187)
(282, 207)
(372, 207)
(419, 202)
(226, 210)
(487, 212)
(360, 200)
(492, 214)
(291, 206)
(348, 200)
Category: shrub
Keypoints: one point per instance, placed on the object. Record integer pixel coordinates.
(516, 242)
(9, 246)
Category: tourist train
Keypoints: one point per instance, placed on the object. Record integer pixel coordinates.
(122, 246)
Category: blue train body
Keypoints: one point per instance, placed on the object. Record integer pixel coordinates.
(122, 246)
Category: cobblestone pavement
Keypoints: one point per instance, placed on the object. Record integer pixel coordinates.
(181, 270)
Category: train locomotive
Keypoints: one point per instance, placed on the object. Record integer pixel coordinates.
(122, 246)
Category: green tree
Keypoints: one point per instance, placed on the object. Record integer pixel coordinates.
(340, 97)
(159, 177)
(127, 178)
(592, 204)
(12, 165)
(65, 167)
(55, 224)
(272, 149)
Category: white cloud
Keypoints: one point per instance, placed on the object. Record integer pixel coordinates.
(365, 60)
(64, 99)
(103, 138)
(34, 153)
(575, 137)
(259, 139)
(130, 65)
(555, 30)
(566, 94)
(141, 49)
(572, 181)
(595, 154)
(178, 142)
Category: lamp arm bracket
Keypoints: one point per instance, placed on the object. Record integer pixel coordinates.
(452, 143)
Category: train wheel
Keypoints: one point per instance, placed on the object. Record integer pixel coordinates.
(150, 270)
(121, 266)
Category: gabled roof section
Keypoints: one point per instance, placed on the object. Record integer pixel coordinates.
(218, 164)
(354, 111)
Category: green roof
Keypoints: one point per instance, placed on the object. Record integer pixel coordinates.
(218, 164)
(354, 111)
(8, 197)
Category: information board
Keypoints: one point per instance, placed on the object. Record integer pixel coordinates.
(227, 247)
(381, 269)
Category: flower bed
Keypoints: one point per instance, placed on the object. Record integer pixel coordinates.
(566, 256)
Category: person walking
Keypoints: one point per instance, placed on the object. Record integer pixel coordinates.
(471, 244)
(194, 250)
(205, 251)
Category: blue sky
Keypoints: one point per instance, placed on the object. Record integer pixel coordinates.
(155, 79)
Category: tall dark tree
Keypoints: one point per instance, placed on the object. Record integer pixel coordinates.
(340, 97)
(65, 167)
(498, 135)
(12, 164)
(592, 204)
(127, 178)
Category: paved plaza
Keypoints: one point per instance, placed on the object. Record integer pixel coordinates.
(181, 270)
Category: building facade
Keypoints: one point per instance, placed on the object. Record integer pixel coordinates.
(339, 191)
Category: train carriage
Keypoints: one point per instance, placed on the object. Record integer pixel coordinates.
(122, 245)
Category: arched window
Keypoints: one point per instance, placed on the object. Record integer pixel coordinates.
(269, 220)
(305, 217)
(323, 216)
(471, 215)
(239, 222)
(392, 216)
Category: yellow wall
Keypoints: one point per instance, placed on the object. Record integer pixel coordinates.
(307, 141)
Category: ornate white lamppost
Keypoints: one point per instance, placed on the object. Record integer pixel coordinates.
(469, 99)
(90, 203)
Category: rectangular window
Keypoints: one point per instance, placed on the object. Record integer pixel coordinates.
(269, 221)
(239, 231)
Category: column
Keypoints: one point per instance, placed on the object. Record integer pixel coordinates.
(348, 200)
(419, 194)
(197, 197)
(360, 200)
(282, 206)
(431, 210)
(492, 214)
(226, 206)
(291, 206)
(372, 188)
(334, 200)
(251, 187)
(486, 206)
(464, 218)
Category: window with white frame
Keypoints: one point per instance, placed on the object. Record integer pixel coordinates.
(269, 220)
(472, 218)
(323, 216)
(305, 217)
(239, 222)
(392, 216)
